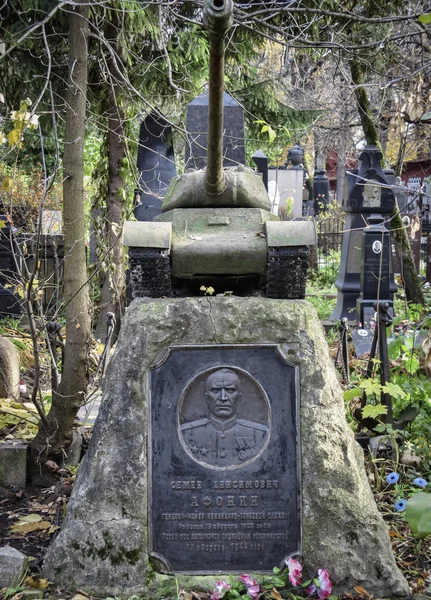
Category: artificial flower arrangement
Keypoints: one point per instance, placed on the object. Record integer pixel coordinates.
(246, 588)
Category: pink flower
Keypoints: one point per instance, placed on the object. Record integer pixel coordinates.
(220, 588)
(251, 585)
(325, 586)
(295, 571)
(247, 580)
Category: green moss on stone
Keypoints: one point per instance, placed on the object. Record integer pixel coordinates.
(116, 556)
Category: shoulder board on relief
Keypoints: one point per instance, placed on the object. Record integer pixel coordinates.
(194, 424)
(252, 425)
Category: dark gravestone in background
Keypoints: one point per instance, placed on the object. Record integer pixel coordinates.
(414, 234)
(362, 340)
(197, 128)
(156, 166)
(368, 192)
(428, 260)
(9, 257)
(377, 277)
(224, 495)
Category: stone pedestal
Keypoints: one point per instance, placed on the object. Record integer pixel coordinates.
(105, 543)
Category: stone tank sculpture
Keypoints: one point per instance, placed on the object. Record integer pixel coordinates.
(216, 226)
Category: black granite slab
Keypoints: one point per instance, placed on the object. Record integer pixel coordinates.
(197, 130)
(156, 166)
(224, 490)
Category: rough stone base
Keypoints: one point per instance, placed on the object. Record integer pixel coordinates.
(102, 547)
(13, 463)
(12, 567)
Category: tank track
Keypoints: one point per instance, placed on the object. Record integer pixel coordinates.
(286, 273)
(150, 273)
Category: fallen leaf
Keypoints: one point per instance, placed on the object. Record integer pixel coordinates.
(360, 590)
(53, 528)
(31, 519)
(38, 584)
(275, 594)
(21, 527)
(394, 534)
(79, 597)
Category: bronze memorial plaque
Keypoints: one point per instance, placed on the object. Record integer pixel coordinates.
(225, 464)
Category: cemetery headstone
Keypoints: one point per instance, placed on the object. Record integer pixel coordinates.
(215, 509)
(428, 260)
(9, 256)
(13, 463)
(362, 341)
(197, 126)
(209, 456)
(197, 464)
(261, 161)
(413, 225)
(320, 185)
(367, 193)
(401, 194)
(48, 250)
(156, 166)
(425, 207)
(375, 268)
(376, 278)
(287, 184)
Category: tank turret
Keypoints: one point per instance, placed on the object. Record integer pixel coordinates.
(216, 226)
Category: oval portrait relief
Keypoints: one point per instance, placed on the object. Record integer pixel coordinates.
(224, 418)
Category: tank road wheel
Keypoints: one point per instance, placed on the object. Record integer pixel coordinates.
(286, 272)
(150, 273)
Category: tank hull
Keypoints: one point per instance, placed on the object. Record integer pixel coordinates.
(218, 242)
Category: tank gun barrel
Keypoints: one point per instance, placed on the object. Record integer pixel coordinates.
(218, 17)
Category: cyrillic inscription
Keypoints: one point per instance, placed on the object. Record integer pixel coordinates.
(225, 490)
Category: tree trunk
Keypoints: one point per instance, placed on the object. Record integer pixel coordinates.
(114, 276)
(114, 281)
(53, 439)
(367, 122)
(399, 235)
